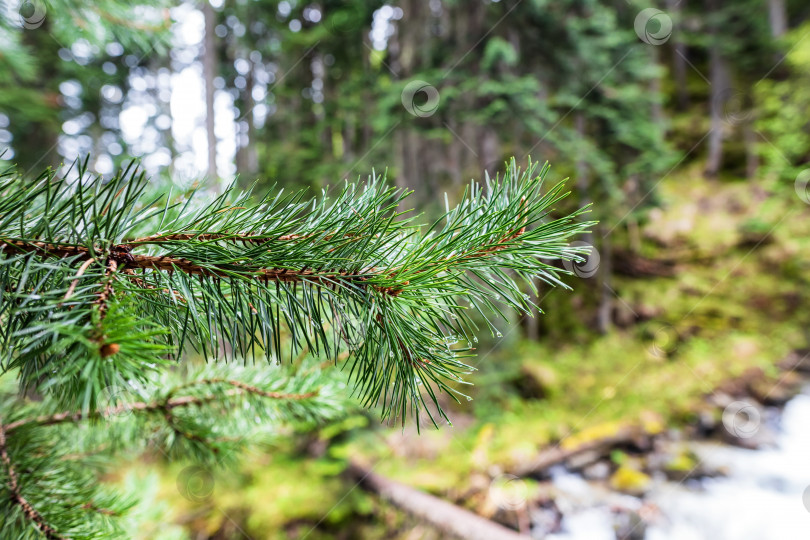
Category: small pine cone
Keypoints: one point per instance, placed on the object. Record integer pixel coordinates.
(109, 349)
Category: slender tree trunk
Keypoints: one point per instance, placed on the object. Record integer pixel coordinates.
(251, 159)
(751, 154)
(35, 145)
(605, 308)
(488, 150)
(720, 86)
(605, 313)
(583, 181)
(657, 111)
(777, 15)
(209, 72)
(532, 323)
(679, 56)
(454, 153)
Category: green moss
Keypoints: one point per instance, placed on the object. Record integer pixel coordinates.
(683, 462)
(630, 480)
(730, 308)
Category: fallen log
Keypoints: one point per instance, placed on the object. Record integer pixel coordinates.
(627, 263)
(446, 517)
(557, 455)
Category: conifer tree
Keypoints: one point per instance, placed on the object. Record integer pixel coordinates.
(108, 287)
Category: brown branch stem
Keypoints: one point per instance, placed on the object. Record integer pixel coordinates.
(17, 497)
(75, 281)
(240, 388)
(121, 254)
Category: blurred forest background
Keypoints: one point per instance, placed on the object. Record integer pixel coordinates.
(685, 123)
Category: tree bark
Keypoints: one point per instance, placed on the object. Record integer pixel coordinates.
(209, 72)
(247, 161)
(679, 57)
(605, 313)
(583, 182)
(720, 86)
(657, 111)
(444, 516)
(35, 141)
(777, 15)
(751, 154)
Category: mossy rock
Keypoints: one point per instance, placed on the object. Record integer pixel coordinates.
(536, 381)
(681, 466)
(630, 480)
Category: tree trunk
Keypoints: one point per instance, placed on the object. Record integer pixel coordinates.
(583, 182)
(448, 518)
(751, 155)
(488, 150)
(720, 86)
(777, 15)
(657, 111)
(532, 324)
(209, 72)
(679, 57)
(247, 161)
(605, 313)
(35, 142)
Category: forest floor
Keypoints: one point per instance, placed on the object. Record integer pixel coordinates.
(725, 318)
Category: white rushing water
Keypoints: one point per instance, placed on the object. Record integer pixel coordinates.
(761, 498)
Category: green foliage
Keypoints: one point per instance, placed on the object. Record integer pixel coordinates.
(784, 106)
(105, 284)
(229, 277)
(48, 42)
(208, 414)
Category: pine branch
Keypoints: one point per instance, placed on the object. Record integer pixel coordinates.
(121, 254)
(153, 406)
(208, 413)
(233, 277)
(14, 492)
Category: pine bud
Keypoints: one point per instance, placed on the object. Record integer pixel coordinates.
(109, 349)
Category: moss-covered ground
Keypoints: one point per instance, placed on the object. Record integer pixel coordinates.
(737, 301)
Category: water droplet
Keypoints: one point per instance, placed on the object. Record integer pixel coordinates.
(390, 354)
(469, 398)
(498, 334)
(475, 339)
